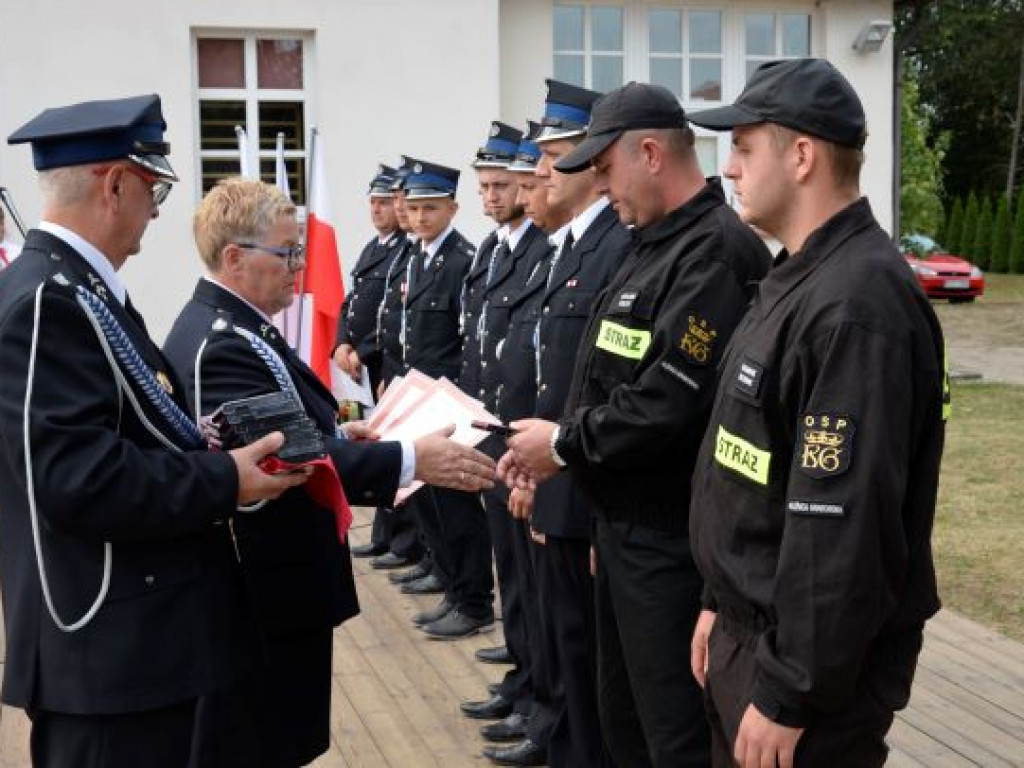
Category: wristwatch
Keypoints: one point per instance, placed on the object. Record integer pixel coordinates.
(554, 451)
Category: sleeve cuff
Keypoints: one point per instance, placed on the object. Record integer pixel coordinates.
(769, 705)
(408, 473)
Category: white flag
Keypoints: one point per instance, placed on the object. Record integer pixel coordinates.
(280, 170)
(246, 167)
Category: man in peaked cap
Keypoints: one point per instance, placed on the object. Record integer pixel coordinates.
(644, 380)
(453, 522)
(502, 266)
(119, 577)
(590, 253)
(815, 487)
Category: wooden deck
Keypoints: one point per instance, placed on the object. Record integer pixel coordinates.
(397, 694)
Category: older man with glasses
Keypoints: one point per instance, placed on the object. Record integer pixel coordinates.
(296, 567)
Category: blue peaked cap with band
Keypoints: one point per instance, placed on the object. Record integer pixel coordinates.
(404, 169)
(427, 180)
(566, 111)
(500, 148)
(380, 185)
(528, 154)
(97, 131)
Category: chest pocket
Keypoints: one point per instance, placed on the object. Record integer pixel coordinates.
(565, 318)
(433, 301)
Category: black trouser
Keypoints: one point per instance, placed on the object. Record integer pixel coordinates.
(565, 592)
(648, 599)
(396, 529)
(277, 716)
(515, 686)
(853, 737)
(455, 527)
(160, 738)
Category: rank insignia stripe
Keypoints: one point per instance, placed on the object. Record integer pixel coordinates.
(741, 456)
(749, 375)
(625, 300)
(625, 342)
(825, 444)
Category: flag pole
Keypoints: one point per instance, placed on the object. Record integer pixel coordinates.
(310, 171)
(281, 179)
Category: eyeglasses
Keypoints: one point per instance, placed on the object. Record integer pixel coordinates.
(295, 255)
(159, 188)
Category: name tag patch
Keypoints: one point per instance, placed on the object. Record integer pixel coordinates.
(623, 341)
(749, 376)
(625, 300)
(826, 444)
(742, 456)
(816, 508)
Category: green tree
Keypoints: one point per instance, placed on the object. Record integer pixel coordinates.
(982, 255)
(1001, 232)
(920, 164)
(1017, 246)
(954, 226)
(965, 247)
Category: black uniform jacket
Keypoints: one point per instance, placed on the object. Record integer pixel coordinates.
(815, 487)
(433, 341)
(560, 507)
(357, 323)
(508, 282)
(389, 316)
(645, 373)
(169, 627)
(299, 573)
(473, 294)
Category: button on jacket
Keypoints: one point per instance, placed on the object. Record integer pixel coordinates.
(815, 488)
(472, 301)
(645, 373)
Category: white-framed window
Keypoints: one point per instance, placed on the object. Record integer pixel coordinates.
(769, 36)
(589, 45)
(684, 48)
(259, 81)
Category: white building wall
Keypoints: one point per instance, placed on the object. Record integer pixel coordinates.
(420, 77)
(390, 76)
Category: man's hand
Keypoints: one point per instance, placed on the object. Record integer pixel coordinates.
(520, 504)
(761, 742)
(253, 483)
(699, 646)
(440, 461)
(357, 430)
(531, 446)
(513, 475)
(348, 360)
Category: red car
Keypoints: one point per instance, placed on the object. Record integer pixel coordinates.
(942, 275)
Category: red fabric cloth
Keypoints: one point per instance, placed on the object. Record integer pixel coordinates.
(324, 487)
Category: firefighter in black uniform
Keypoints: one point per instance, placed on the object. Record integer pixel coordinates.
(356, 344)
(639, 402)
(395, 539)
(454, 522)
(815, 487)
(594, 247)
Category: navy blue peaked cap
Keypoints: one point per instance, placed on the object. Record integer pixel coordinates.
(528, 154)
(402, 173)
(566, 111)
(500, 148)
(380, 185)
(95, 131)
(427, 180)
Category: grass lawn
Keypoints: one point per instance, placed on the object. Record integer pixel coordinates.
(1002, 288)
(994, 320)
(979, 526)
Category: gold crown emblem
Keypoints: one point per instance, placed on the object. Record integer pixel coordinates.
(699, 328)
(821, 437)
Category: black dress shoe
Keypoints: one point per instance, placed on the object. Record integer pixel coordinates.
(457, 625)
(495, 708)
(523, 753)
(512, 728)
(388, 561)
(497, 655)
(428, 585)
(418, 571)
(439, 611)
(368, 550)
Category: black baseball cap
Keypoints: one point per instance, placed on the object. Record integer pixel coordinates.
(807, 95)
(632, 107)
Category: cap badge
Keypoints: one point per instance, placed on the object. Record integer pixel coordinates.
(495, 130)
(417, 168)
